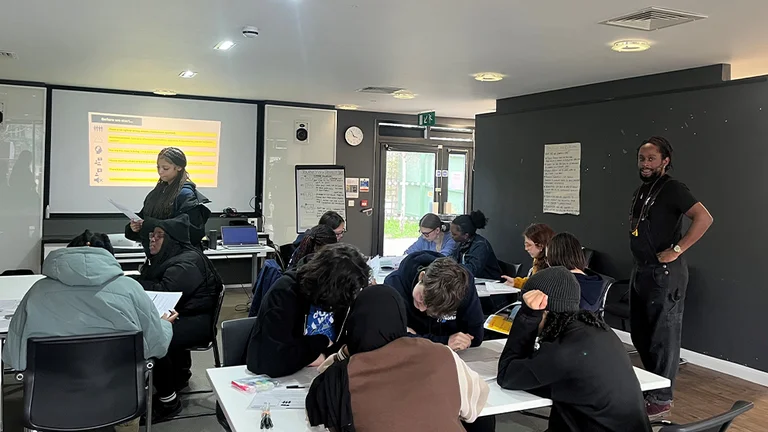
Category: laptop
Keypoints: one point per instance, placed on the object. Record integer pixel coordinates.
(245, 236)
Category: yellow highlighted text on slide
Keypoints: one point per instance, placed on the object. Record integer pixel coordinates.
(161, 141)
(155, 152)
(123, 148)
(162, 132)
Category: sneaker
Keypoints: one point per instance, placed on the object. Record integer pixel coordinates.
(164, 411)
(657, 411)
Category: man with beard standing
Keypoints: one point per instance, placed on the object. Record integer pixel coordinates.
(660, 277)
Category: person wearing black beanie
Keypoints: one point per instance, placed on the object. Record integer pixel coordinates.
(473, 250)
(557, 351)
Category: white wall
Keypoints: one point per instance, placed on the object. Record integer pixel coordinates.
(22, 142)
(282, 153)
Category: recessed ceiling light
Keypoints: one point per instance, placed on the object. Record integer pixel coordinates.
(403, 94)
(164, 92)
(630, 46)
(488, 76)
(347, 107)
(187, 74)
(224, 45)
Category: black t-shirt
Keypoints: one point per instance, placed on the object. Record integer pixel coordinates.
(664, 214)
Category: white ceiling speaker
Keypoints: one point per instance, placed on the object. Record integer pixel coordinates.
(250, 32)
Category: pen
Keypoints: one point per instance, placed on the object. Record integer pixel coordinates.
(295, 387)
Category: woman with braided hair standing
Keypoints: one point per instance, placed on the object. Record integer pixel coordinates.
(174, 194)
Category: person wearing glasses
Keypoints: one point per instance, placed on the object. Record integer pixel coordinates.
(432, 237)
(331, 219)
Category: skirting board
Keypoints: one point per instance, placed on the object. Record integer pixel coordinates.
(716, 364)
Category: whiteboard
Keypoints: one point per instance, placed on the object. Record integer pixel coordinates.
(319, 188)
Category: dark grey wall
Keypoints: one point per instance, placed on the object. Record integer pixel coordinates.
(361, 161)
(719, 139)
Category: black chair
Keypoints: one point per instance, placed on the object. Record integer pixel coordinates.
(617, 302)
(608, 281)
(286, 252)
(235, 335)
(588, 255)
(508, 269)
(213, 344)
(85, 383)
(17, 272)
(718, 423)
(234, 340)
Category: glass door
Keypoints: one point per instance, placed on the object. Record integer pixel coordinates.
(456, 164)
(409, 193)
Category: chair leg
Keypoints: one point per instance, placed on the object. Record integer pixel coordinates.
(216, 359)
(149, 397)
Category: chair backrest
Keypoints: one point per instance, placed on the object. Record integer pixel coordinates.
(607, 284)
(286, 252)
(17, 272)
(508, 269)
(588, 255)
(84, 382)
(235, 335)
(718, 423)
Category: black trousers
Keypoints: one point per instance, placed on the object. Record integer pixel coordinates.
(657, 297)
(173, 370)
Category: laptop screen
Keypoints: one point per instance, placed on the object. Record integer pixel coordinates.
(239, 235)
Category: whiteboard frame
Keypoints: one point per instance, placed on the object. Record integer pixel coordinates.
(318, 167)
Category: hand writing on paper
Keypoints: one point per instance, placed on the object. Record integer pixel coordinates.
(460, 341)
(170, 317)
(509, 281)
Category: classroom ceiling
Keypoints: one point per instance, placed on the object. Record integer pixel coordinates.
(322, 51)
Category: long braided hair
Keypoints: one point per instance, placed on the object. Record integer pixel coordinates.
(160, 202)
(317, 237)
(557, 322)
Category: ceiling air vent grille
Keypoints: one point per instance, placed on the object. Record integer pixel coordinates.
(7, 55)
(380, 90)
(653, 18)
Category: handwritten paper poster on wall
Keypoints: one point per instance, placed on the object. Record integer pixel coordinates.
(318, 190)
(562, 178)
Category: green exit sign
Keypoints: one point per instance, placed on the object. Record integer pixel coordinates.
(427, 119)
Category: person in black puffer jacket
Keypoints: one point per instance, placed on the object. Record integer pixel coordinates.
(174, 265)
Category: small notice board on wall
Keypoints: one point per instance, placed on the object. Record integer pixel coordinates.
(319, 188)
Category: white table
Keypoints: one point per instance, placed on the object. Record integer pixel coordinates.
(481, 289)
(255, 254)
(234, 403)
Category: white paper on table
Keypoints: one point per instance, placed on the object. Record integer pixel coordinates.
(488, 370)
(483, 281)
(375, 265)
(392, 262)
(280, 399)
(494, 287)
(125, 210)
(302, 378)
(164, 301)
(8, 307)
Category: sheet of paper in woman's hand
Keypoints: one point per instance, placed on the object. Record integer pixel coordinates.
(125, 210)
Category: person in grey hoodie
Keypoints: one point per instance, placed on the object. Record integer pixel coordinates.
(85, 292)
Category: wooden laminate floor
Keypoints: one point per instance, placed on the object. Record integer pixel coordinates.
(701, 393)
